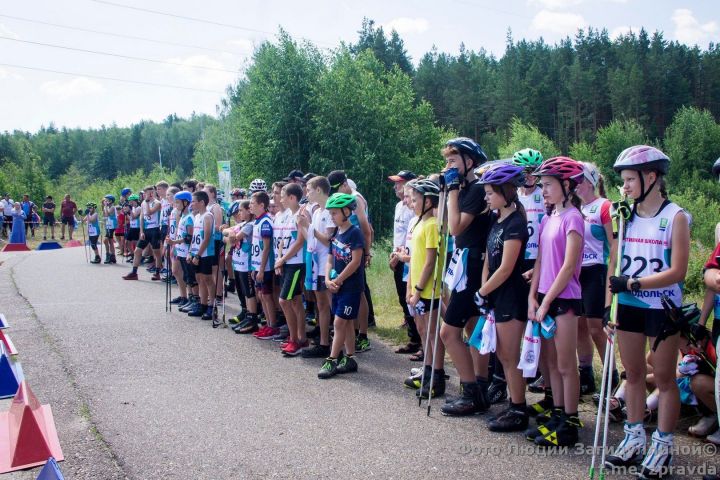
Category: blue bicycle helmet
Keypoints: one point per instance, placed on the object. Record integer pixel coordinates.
(184, 196)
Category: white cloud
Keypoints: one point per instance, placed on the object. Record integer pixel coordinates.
(623, 30)
(77, 87)
(688, 29)
(207, 77)
(557, 22)
(6, 32)
(405, 25)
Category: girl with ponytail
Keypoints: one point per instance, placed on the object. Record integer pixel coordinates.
(503, 288)
(599, 249)
(555, 295)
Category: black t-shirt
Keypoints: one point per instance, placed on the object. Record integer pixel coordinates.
(510, 299)
(472, 201)
(341, 248)
(514, 227)
(49, 205)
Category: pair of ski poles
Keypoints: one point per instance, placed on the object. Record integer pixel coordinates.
(622, 213)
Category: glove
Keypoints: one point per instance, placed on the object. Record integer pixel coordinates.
(606, 317)
(481, 302)
(699, 332)
(452, 179)
(621, 208)
(619, 284)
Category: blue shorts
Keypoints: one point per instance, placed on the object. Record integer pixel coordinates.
(346, 305)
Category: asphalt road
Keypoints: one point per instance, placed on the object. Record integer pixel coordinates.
(142, 394)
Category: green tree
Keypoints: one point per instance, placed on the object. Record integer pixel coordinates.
(527, 136)
(693, 143)
(613, 139)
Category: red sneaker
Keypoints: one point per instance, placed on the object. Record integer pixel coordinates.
(130, 276)
(293, 348)
(262, 331)
(269, 333)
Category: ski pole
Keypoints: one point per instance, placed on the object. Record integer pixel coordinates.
(433, 298)
(622, 213)
(437, 323)
(82, 225)
(215, 321)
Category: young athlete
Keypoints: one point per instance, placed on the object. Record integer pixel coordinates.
(530, 195)
(599, 249)
(503, 285)
(93, 226)
(655, 253)
(555, 295)
(202, 255)
(344, 279)
(111, 223)
(403, 215)
(424, 282)
(291, 267)
(218, 220)
(280, 218)
(468, 223)
(262, 262)
(177, 239)
(242, 235)
(186, 228)
(318, 232)
(340, 183)
(149, 232)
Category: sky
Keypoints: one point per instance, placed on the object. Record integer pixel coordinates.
(73, 88)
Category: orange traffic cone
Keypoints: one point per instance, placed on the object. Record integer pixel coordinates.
(27, 433)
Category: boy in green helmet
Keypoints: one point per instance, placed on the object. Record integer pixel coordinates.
(344, 279)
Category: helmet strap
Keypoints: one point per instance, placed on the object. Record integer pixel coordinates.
(645, 193)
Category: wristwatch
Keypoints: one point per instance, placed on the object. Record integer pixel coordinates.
(635, 285)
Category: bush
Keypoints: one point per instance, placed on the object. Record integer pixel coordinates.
(527, 136)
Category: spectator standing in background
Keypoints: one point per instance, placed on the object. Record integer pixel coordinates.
(6, 204)
(48, 210)
(68, 209)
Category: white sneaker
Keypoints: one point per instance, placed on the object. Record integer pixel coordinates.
(659, 457)
(631, 450)
(714, 438)
(416, 370)
(705, 426)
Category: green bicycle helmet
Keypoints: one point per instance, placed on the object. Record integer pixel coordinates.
(91, 205)
(527, 158)
(341, 200)
(133, 197)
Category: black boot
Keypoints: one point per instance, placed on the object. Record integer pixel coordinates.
(96, 260)
(587, 380)
(113, 259)
(107, 259)
(564, 435)
(471, 402)
(438, 385)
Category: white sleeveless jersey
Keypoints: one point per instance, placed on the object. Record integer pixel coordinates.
(262, 224)
(290, 237)
(321, 221)
(596, 249)
(647, 249)
(135, 221)
(535, 211)
(243, 249)
(172, 224)
(199, 235)
(279, 225)
(152, 220)
(165, 211)
(186, 221)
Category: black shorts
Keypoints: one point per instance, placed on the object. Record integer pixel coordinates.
(292, 280)
(219, 245)
(188, 272)
(461, 307)
(321, 287)
(423, 305)
(163, 232)
(205, 265)
(93, 240)
(561, 306)
(647, 321)
(8, 221)
(70, 221)
(264, 282)
(593, 279)
(49, 220)
(152, 238)
(510, 301)
(109, 232)
(246, 287)
(133, 234)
